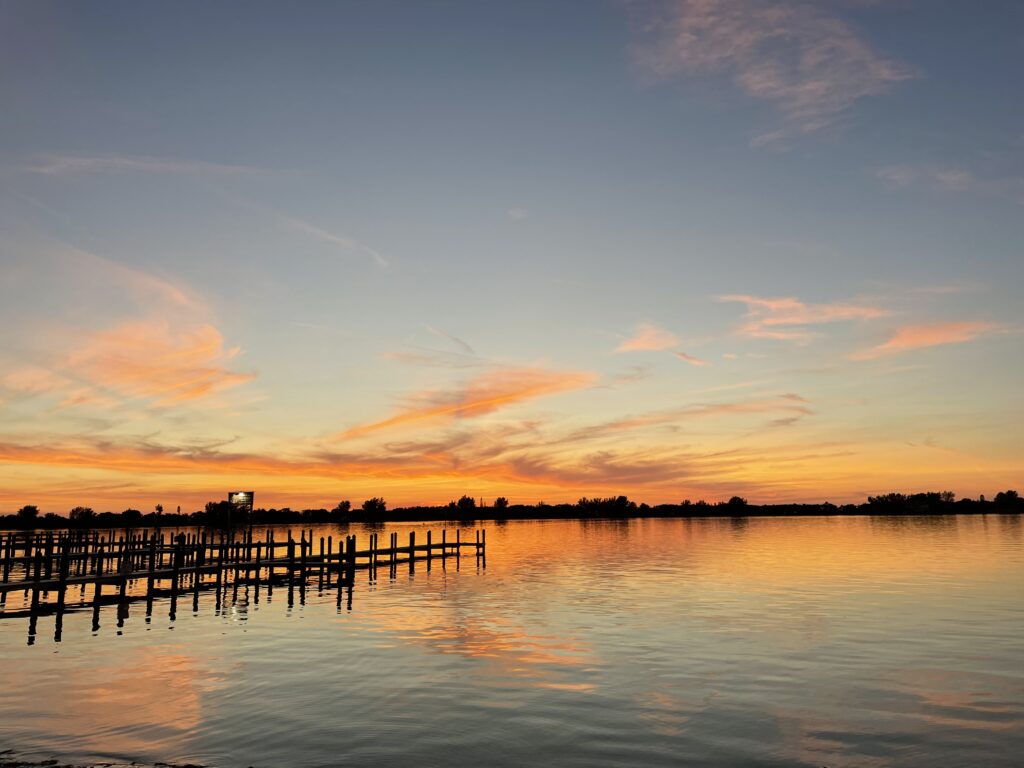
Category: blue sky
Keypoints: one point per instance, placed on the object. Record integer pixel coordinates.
(675, 249)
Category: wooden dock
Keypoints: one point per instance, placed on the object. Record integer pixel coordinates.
(138, 566)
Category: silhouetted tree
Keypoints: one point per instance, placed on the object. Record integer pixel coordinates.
(342, 510)
(1007, 499)
(81, 515)
(501, 503)
(466, 504)
(375, 506)
(221, 514)
(737, 501)
(131, 517)
(28, 514)
(613, 506)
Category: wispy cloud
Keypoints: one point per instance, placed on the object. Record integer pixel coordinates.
(799, 56)
(648, 337)
(691, 359)
(787, 318)
(56, 165)
(635, 374)
(950, 179)
(432, 358)
(911, 337)
(481, 395)
(791, 405)
(341, 240)
(453, 339)
(945, 179)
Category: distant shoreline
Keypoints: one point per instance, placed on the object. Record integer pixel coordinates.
(468, 512)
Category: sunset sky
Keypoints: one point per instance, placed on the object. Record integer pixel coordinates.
(682, 249)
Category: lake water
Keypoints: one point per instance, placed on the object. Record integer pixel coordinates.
(759, 642)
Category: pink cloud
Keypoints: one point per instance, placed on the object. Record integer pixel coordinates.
(690, 359)
(648, 338)
(799, 56)
(911, 337)
(786, 318)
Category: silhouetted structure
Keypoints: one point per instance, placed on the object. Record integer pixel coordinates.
(141, 566)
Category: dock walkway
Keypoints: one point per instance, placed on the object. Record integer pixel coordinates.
(143, 565)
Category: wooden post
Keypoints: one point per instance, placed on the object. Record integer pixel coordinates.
(291, 561)
(37, 574)
(177, 556)
(8, 555)
(197, 563)
(322, 564)
(259, 551)
(330, 555)
(62, 574)
(350, 557)
(270, 564)
(49, 554)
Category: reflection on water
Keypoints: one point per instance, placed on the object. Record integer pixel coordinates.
(831, 641)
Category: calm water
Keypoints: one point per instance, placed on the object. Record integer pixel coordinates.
(829, 641)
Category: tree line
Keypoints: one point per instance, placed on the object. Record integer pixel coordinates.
(224, 514)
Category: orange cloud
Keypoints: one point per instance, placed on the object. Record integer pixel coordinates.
(148, 458)
(919, 336)
(149, 359)
(690, 359)
(648, 338)
(785, 318)
(481, 395)
(32, 380)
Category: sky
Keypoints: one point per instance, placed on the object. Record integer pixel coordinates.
(680, 249)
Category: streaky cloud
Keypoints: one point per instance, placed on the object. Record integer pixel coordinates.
(787, 318)
(481, 395)
(58, 165)
(341, 240)
(464, 346)
(911, 337)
